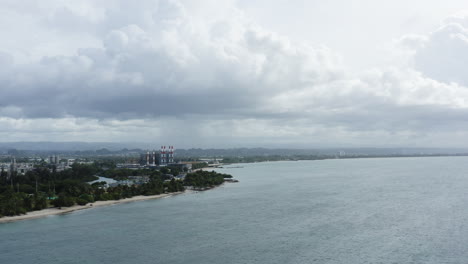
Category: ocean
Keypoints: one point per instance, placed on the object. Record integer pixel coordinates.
(379, 210)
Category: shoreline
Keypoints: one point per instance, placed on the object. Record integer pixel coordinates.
(65, 210)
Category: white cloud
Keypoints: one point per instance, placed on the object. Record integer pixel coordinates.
(441, 55)
(164, 69)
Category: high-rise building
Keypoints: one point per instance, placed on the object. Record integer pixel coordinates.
(163, 158)
(170, 155)
(13, 167)
(54, 159)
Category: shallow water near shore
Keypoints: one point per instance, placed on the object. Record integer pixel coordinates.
(394, 210)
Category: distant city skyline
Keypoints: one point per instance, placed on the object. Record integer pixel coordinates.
(235, 73)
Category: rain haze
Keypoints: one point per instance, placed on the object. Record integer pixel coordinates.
(235, 73)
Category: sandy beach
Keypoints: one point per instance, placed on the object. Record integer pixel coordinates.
(64, 210)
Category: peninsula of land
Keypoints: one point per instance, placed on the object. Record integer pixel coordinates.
(45, 190)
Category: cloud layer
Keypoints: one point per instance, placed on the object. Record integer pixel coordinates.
(170, 70)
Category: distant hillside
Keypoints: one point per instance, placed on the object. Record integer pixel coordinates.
(122, 147)
(66, 146)
(246, 152)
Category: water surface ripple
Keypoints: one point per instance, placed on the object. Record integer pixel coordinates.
(395, 210)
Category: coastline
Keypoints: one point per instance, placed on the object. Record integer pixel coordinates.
(65, 210)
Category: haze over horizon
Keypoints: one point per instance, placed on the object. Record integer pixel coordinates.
(235, 73)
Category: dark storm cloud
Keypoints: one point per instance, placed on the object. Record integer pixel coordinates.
(167, 70)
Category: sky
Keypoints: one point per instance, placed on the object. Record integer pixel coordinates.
(235, 73)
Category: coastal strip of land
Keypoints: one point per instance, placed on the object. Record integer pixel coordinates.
(57, 211)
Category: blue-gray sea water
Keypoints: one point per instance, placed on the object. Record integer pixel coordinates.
(394, 210)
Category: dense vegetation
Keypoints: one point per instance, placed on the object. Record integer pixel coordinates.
(44, 186)
(205, 179)
(122, 173)
(199, 165)
(36, 189)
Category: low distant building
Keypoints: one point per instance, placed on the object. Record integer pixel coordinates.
(214, 162)
(132, 180)
(14, 168)
(62, 166)
(183, 166)
(85, 162)
(129, 166)
(23, 168)
(139, 179)
(5, 167)
(180, 177)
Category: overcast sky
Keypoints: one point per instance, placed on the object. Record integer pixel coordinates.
(211, 73)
